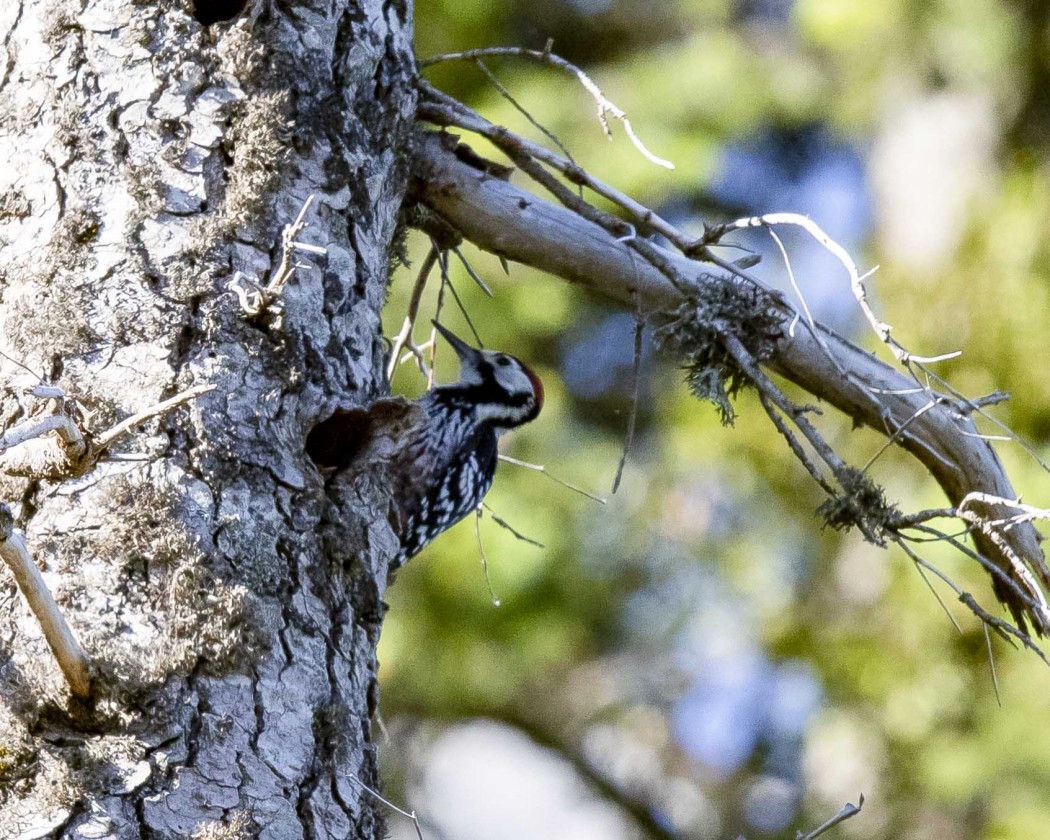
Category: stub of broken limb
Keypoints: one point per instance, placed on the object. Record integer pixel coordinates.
(70, 657)
(265, 300)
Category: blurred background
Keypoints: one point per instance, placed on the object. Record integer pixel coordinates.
(697, 658)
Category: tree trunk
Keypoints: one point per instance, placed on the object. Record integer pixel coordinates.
(229, 609)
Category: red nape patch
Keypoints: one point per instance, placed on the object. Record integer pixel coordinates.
(537, 384)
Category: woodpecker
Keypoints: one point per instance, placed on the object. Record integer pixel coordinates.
(438, 454)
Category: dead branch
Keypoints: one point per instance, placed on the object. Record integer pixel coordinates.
(846, 812)
(606, 108)
(65, 427)
(70, 657)
(404, 337)
(882, 329)
(1026, 513)
(632, 420)
(410, 814)
(441, 109)
(518, 225)
(256, 299)
(104, 439)
(508, 527)
(29, 449)
(541, 468)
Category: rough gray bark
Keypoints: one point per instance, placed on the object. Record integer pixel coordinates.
(232, 625)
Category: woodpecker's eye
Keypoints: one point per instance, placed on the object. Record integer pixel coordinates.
(502, 361)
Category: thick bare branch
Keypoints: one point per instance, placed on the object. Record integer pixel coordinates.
(515, 224)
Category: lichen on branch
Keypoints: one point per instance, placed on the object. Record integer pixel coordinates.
(862, 504)
(694, 334)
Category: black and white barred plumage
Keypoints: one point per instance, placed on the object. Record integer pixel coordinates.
(438, 455)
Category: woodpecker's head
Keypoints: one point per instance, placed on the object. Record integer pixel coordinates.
(504, 390)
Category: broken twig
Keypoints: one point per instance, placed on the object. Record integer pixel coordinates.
(70, 657)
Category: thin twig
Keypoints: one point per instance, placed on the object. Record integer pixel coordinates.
(24, 367)
(72, 660)
(484, 559)
(465, 313)
(405, 335)
(802, 300)
(636, 376)
(937, 595)
(504, 524)
(506, 94)
(541, 468)
(124, 426)
(991, 666)
(410, 814)
(906, 520)
(846, 812)
(433, 343)
(794, 444)
(958, 535)
(995, 438)
(605, 106)
(473, 274)
(127, 458)
(893, 437)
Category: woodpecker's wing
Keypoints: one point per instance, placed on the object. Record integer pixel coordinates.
(442, 479)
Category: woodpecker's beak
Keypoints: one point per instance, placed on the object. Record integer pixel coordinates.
(465, 352)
